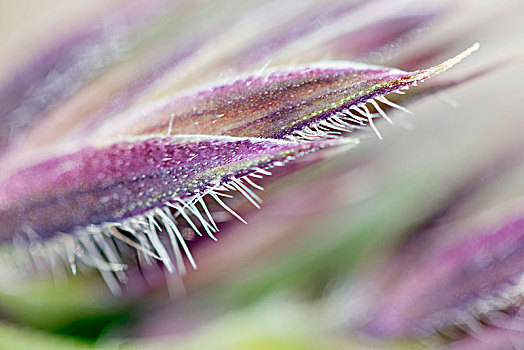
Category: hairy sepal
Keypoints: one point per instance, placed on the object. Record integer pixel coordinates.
(317, 101)
(187, 148)
(125, 179)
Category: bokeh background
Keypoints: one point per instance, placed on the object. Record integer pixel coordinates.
(317, 261)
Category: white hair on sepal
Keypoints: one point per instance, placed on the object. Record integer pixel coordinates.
(154, 235)
(348, 120)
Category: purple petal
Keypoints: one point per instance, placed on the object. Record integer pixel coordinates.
(474, 277)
